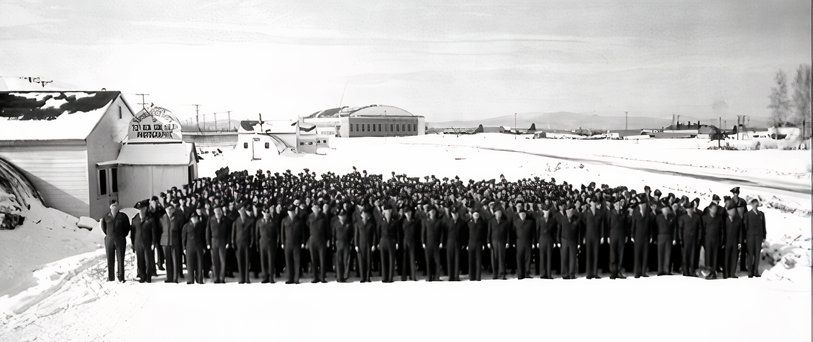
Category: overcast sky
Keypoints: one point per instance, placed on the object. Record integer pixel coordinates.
(442, 59)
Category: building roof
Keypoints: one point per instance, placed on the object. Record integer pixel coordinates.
(274, 126)
(177, 153)
(52, 115)
(371, 110)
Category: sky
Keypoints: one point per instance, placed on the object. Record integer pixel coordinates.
(445, 60)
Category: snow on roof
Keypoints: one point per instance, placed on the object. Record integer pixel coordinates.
(52, 115)
(180, 153)
(370, 110)
(272, 126)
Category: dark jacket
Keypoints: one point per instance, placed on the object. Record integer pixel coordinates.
(594, 224)
(641, 225)
(410, 229)
(218, 233)
(432, 232)
(173, 227)
(619, 222)
(194, 236)
(477, 231)
(293, 231)
(754, 224)
(116, 227)
(569, 227)
(318, 233)
(365, 234)
(342, 233)
(455, 231)
(242, 232)
(145, 232)
(498, 230)
(546, 230)
(524, 231)
(733, 230)
(666, 225)
(267, 232)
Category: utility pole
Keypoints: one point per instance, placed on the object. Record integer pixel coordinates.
(215, 114)
(204, 122)
(197, 115)
(626, 121)
(143, 102)
(229, 122)
(515, 126)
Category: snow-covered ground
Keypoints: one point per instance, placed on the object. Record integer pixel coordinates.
(72, 300)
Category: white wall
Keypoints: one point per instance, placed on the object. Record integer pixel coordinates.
(139, 182)
(58, 171)
(104, 144)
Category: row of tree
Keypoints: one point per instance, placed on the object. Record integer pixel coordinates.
(791, 109)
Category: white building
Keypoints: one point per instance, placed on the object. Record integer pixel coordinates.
(257, 140)
(57, 138)
(368, 121)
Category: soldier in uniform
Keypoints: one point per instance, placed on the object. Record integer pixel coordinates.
(364, 239)
(618, 223)
(387, 243)
(431, 237)
(733, 236)
(666, 227)
(712, 235)
(569, 239)
(115, 226)
(317, 243)
(242, 239)
(498, 230)
(524, 232)
(342, 239)
(641, 226)
(268, 234)
(546, 230)
(755, 233)
(690, 226)
(593, 221)
(410, 229)
(455, 228)
(172, 222)
(477, 230)
(194, 235)
(292, 236)
(218, 233)
(144, 236)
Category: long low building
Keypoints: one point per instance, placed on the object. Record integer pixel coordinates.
(368, 121)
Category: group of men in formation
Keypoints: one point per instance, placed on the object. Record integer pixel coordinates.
(363, 224)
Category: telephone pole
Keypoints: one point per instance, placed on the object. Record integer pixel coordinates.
(515, 126)
(215, 114)
(626, 121)
(197, 115)
(228, 112)
(143, 102)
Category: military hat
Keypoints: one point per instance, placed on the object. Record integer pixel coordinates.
(735, 190)
(657, 192)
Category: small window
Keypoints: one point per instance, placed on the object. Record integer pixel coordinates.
(245, 145)
(391, 128)
(301, 144)
(379, 127)
(362, 127)
(351, 128)
(120, 114)
(397, 128)
(267, 145)
(103, 182)
(310, 142)
(368, 127)
(114, 180)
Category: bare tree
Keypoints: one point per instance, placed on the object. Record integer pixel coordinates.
(801, 95)
(780, 103)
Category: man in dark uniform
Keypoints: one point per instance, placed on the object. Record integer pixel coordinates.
(498, 230)
(593, 221)
(242, 239)
(431, 237)
(568, 226)
(755, 233)
(618, 223)
(387, 240)
(342, 239)
(524, 233)
(712, 235)
(218, 234)
(364, 239)
(641, 226)
(317, 243)
(690, 226)
(733, 236)
(194, 240)
(477, 230)
(172, 222)
(455, 229)
(546, 230)
(410, 229)
(143, 238)
(665, 226)
(268, 234)
(115, 226)
(293, 231)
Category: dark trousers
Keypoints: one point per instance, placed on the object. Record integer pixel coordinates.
(731, 255)
(689, 251)
(115, 255)
(292, 263)
(591, 254)
(616, 255)
(364, 263)
(160, 256)
(268, 255)
(498, 259)
(194, 265)
(523, 260)
(242, 254)
(665, 253)
(640, 251)
(218, 262)
(711, 255)
(453, 262)
(754, 249)
(387, 254)
(408, 263)
(342, 260)
(432, 263)
(318, 253)
(173, 262)
(569, 258)
(475, 262)
(545, 258)
(145, 258)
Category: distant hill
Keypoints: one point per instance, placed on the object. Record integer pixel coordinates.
(569, 121)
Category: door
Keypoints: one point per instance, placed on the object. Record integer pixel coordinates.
(256, 149)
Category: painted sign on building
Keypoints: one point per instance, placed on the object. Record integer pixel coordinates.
(155, 124)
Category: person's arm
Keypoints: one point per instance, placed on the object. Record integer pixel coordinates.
(763, 224)
(208, 233)
(132, 236)
(104, 224)
(184, 232)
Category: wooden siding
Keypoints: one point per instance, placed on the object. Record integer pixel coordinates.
(104, 144)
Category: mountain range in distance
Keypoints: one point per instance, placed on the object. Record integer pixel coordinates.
(571, 121)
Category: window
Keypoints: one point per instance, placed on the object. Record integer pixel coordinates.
(267, 145)
(391, 129)
(379, 127)
(103, 182)
(190, 174)
(245, 145)
(301, 144)
(351, 128)
(114, 180)
(368, 127)
(120, 116)
(362, 127)
(397, 128)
